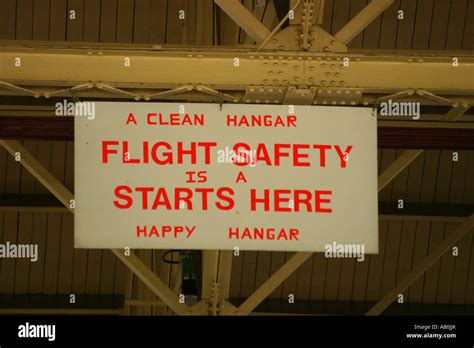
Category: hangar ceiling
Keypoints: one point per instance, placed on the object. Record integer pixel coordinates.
(409, 59)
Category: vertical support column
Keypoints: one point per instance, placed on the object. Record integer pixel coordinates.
(210, 266)
(216, 268)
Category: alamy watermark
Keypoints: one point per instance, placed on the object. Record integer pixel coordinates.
(394, 108)
(79, 109)
(345, 251)
(21, 251)
(28, 330)
(244, 157)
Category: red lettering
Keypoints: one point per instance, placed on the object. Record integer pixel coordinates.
(130, 118)
(106, 151)
(254, 200)
(320, 200)
(342, 155)
(128, 200)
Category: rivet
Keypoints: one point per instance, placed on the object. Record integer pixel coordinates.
(274, 41)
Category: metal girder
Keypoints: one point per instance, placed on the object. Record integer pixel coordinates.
(152, 281)
(305, 32)
(216, 267)
(44, 71)
(65, 197)
(244, 18)
(357, 24)
(397, 167)
(316, 40)
(39, 172)
(421, 267)
(274, 281)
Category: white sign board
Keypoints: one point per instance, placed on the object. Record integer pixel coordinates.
(256, 177)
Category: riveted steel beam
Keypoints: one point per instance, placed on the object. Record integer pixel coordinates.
(139, 74)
